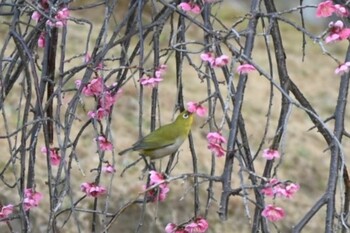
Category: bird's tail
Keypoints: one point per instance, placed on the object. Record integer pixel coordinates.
(124, 151)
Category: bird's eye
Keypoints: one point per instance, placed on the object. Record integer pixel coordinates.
(185, 116)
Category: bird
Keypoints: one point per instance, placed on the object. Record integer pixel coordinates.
(165, 140)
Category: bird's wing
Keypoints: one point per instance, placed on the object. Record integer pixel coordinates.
(159, 138)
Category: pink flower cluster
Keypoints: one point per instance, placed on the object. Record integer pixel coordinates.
(60, 19)
(158, 193)
(149, 81)
(55, 158)
(327, 8)
(104, 144)
(270, 154)
(6, 211)
(31, 199)
(99, 90)
(215, 140)
(343, 68)
(61, 16)
(337, 30)
(198, 225)
(274, 188)
(215, 62)
(196, 108)
(92, 190)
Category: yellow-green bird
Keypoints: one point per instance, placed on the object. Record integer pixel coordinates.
(166, 139)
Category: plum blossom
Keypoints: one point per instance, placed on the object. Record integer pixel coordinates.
(160, 71)
(343, 68)
(98, 114)
(36, 16)
(341, 10)
(325, 9)
(196, 108)
(215, 62)
(158, 193)
(270, 154)
(215, 139)
(190, 7)
(93, 88)
(275, 188)
(108, 168)
(150, 81)
(104, 144)
(31, 198)
(41, 40)
(198, 225)
(273, 213)
(55, 158)
(61, 18)
(337, 32)
(6, 211)
(245, 68)
(92, 190)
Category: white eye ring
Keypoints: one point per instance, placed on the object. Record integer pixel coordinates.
(185, 115)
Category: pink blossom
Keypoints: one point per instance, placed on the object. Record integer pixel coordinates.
(107, 99)
(150, 81)
(291, 189)
(343, 68)
(160, 71)
(36, 16)
(158, 193)
(92, 190)
(104, 144)
(108, 168)
(245, 68)
(99, 113)
(215, 62)
(61, 18)
(196, 108)
(198, 225)
(270, 154)
(191, 7)
(337, 32)
(220, 61)
(215, 139)
(31, 198)
(55, 158)
(325, 9)
(217, 149)
(273, 213)
(269, 189)
(207, 57)
(341, 10)
(41, 40)
(94, 88)
(280, 189)
(157, 178)
(6, 211)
